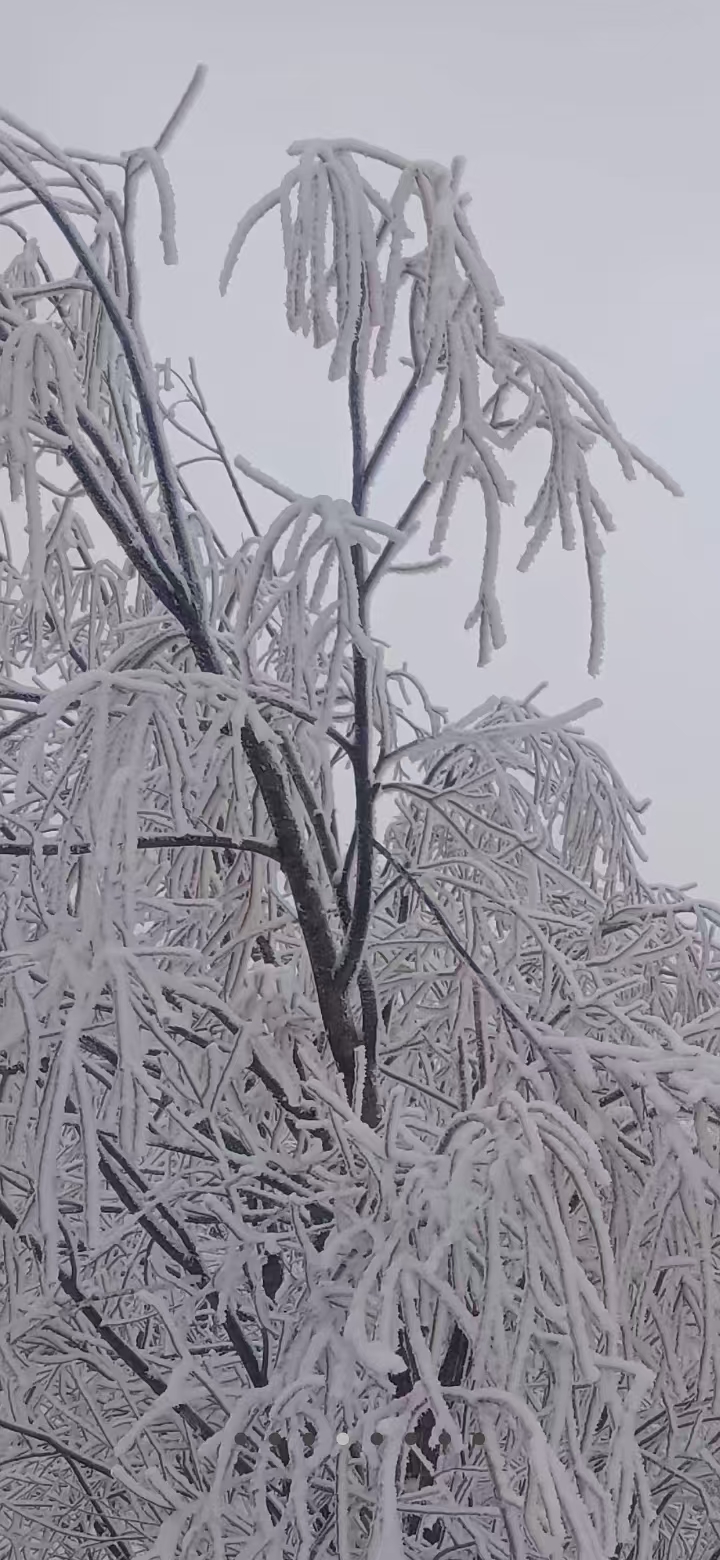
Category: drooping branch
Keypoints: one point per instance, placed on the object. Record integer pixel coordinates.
(135, 355)
(127, 1184)
(119, 1348)
(171, 1121)
(356, 930)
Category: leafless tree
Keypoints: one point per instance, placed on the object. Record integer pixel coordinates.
(358, 1183)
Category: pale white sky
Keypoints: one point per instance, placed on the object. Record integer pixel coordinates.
(591, 132)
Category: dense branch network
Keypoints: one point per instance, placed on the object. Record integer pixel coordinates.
(358, 1182)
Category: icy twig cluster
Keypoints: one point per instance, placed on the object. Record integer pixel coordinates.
(358, 1183)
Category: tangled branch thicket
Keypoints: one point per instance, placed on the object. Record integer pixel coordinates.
(358, 1185)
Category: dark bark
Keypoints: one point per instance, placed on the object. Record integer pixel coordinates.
(337, 1019)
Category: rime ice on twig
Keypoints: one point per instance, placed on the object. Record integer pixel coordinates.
(349, 252)
(357, 1190)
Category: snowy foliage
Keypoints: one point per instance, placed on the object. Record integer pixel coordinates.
(358, 1183)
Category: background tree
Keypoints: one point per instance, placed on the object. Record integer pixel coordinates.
(358, 1182)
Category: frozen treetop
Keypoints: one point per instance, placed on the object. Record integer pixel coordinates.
(358, 1178)
(350, 254)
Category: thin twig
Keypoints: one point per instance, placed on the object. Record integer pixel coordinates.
(46, 1439)
(403, 525)
(150, 842)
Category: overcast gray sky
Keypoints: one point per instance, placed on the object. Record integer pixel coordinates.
(591, 132)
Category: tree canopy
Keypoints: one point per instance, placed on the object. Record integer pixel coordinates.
(358, 1163)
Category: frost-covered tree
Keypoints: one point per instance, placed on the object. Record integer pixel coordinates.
(358, 1179)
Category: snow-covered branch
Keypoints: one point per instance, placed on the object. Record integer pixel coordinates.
(358, 1178)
